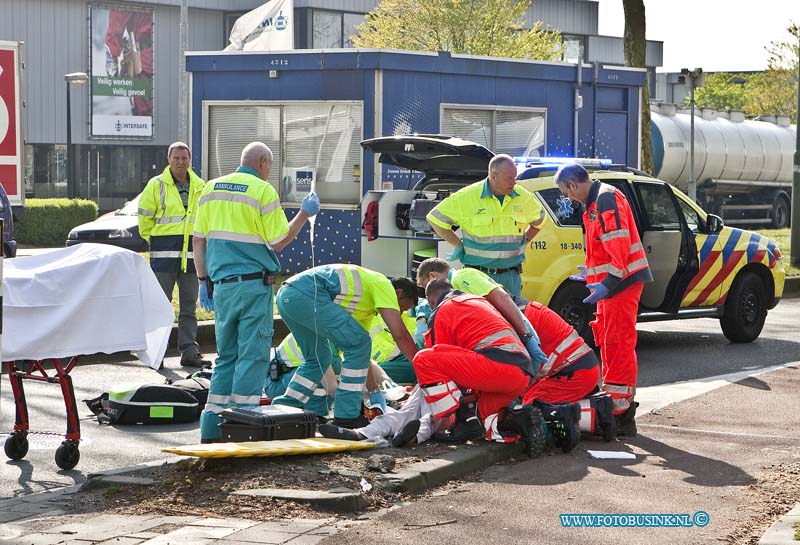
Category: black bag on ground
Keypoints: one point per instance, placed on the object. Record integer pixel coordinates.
(267, 423)
(170, 403)
(151, 404)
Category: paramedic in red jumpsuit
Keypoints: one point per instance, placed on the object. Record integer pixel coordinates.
(616, 269)
(470, 345)
(572, 371)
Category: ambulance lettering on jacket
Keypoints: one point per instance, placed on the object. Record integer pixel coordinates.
(224, 186)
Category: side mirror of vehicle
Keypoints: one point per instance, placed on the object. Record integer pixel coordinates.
(715, 224)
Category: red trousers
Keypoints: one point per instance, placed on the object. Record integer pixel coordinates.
(615, 333)
(497, 384)
(563, 388)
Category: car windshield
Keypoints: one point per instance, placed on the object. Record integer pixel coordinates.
(131, 207)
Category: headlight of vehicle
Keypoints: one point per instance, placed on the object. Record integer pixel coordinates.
(73, 235)
(120, 233)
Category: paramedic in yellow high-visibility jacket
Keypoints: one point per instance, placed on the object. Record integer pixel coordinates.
(240, 225)
(167, 212)
(497, 219)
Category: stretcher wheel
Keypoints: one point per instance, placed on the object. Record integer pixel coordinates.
(16, 446)
(67, 455)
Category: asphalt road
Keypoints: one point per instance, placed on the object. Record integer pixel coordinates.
(668, 352)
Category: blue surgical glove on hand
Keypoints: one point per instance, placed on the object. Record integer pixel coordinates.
(456, 255)
(421, 329)
(422, 309)
(206, 302)
(310, 204)
(535, 351)
(599, 291)
(581, 276)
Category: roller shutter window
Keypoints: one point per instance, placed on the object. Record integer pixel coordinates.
(513, 131)
(232, 127)
(322, 137)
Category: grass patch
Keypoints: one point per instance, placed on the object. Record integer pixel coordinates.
(783, 238)
(797, 531)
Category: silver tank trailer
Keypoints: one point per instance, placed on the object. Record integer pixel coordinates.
(724, 149)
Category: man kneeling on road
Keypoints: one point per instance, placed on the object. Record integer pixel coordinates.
(470, 345)
(336, 304)
(566, 380)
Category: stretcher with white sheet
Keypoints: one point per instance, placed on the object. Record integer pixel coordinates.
(86, 299)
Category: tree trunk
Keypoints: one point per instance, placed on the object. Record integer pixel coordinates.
(635, 47)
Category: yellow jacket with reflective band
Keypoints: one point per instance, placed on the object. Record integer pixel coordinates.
(289, 353)
(166, 224)
(361, 292)
(492, 231)
(472, 281)
(241, 218)
(384, 348)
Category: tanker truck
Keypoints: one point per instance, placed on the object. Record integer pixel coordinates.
(743, 168)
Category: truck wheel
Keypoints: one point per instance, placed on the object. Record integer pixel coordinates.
(745, 309)
(780, 213)
(568, 303)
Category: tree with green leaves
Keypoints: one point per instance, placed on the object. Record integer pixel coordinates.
(722, 91)
(774, 91)
(635, 48)
(493, 28)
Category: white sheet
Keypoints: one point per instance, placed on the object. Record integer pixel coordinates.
(84, 299)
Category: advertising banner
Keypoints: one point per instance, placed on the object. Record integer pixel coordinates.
(266, 28)
(10, 139)
(122, 71)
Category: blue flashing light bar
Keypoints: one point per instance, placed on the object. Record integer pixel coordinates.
(583, 161)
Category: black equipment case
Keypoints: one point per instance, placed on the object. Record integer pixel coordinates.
(152, 404)
(267, 423)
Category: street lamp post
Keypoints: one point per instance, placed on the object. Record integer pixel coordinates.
(77, 78)
(695, 78)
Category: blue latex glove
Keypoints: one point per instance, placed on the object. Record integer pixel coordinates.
(422, 309)
(599, 291)
(581, 276)
(535, 351)
(378, 399)
(310, 204)
(421, 329)
(206, 302)
(456, 255)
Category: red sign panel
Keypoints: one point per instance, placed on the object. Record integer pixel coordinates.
(9, 151)
(8, 96)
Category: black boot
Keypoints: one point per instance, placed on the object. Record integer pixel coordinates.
(605, 423)
(467, 427)
(335, 432)
(564, 421)
(406, 435)
(626, 423)
(527, 422)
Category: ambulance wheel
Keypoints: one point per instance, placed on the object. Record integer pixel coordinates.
(568, 303)
(16, 446)
(67, 455)
(745, 309)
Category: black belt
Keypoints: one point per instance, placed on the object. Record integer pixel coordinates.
(487, 270)
(267, 277)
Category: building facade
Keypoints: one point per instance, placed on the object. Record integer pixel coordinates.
(120, 134)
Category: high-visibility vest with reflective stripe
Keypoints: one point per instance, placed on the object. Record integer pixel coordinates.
(289, 353)
(384, 348)
(166, 224)
(241, 217)
(471, 322)
(361, 292)
(557, 338)
(613, 246)
(492, 231)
